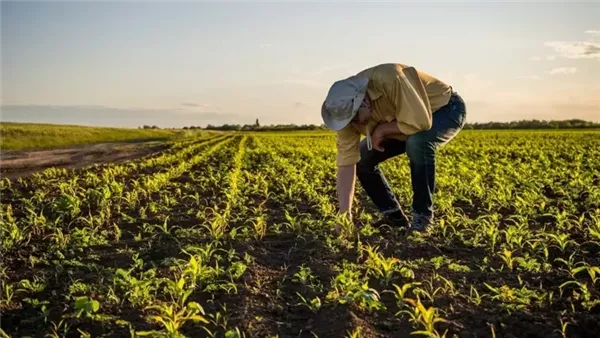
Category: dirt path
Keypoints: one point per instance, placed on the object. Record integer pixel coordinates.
(14, 164)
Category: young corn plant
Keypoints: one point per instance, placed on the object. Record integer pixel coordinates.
(474, 296)
(593, 272)
(563, 328)
(259, 224)
(401, 292)
(177, 291)
(381, 266)
(172, 318)
(560, 241)
(193, 270)
(491, 231)
(59, 330)
(313, 304)
(86, 306)
(293, 223)
(306, 277)
(365, 298)
(348, 289)
(137, 291)
(218, 226)
(516, 299)
(571, 265)
(356, 333)
(516, 235)
(424, 317)
(582, 294)
(8, 292)
(508, 259)
(345, 225)
(429, 292)
(594, 229)
(165, 228)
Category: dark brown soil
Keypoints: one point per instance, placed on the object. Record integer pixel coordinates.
(15, 164)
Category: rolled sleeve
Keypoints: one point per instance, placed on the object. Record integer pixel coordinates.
(413, 109)
(348, 143)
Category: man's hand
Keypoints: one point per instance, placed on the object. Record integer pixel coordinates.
(377, 138)
(339, 223)
(383, 131)
(343, 223)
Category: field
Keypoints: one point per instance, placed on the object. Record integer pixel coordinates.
(231, 236)
(17, 136)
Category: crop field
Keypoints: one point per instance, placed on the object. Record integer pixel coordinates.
(231, 236)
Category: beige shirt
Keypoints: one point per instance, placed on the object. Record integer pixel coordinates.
(398, 93)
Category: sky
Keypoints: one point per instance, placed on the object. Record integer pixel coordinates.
(197, 63)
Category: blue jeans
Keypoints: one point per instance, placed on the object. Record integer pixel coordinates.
(448, 121)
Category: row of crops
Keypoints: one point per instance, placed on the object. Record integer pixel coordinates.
(230, 235)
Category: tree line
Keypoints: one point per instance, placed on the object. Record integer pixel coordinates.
(522, 124)
(535, 124)
(250, 127)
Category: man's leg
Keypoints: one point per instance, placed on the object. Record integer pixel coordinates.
(374, 182)
(421, 148)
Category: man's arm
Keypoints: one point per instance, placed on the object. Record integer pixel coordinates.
(348, 154)
(388, 129)
(383, 131)
(346, 178)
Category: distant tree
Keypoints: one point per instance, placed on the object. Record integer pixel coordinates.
(534, 124)
(255, 127)
(523, 124)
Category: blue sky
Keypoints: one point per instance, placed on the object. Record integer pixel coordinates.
(194, 63)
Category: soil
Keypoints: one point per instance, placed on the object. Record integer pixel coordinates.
(22, 163)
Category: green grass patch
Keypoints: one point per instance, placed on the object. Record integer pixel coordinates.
(15, 136)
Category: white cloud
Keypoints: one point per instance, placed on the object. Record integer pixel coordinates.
(265, 45)
(563, 71)
(193, 105)
(529, 77)
(539, 58)
(595, 33)
(194, 108)
(576, 49)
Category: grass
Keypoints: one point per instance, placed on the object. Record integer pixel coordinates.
(19, 136)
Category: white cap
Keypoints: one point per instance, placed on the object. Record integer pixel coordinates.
(343, 100)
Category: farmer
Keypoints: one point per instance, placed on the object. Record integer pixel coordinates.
(400, 110)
